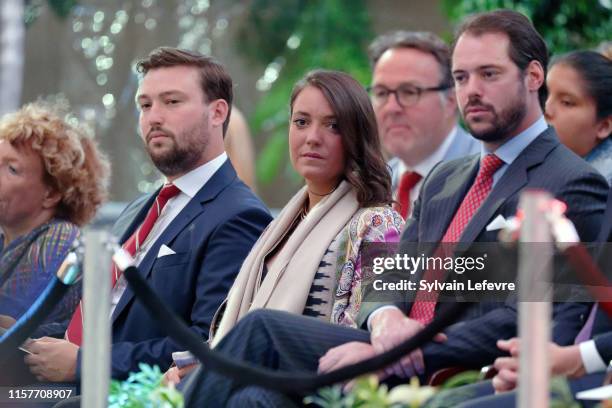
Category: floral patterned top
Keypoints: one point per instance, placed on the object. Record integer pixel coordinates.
(335, 294)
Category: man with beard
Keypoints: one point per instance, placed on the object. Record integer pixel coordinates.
(498, 65)
(190, 237)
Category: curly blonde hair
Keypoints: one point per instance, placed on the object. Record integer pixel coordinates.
(73, 165)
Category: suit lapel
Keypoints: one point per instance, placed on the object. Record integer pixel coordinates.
(219, 181)
(394, 165)
(140, 210)
(515, 178)
(441, 208)
(606, 229)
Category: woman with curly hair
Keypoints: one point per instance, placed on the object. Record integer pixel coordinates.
(52, 180)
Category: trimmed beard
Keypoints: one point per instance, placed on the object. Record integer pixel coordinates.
(503, 124)
(181, 157)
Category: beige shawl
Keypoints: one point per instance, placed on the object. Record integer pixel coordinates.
(287, 283)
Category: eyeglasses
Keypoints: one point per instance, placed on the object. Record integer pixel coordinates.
(406, 95)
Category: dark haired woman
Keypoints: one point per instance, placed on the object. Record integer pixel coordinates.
(308, 261)
(579, 106)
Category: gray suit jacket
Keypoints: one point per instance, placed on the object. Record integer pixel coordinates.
(544, 164)
(463, 145)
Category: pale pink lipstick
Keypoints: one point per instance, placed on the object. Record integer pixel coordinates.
(312, 155)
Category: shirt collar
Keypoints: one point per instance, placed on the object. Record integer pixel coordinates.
(510, 150)
(193, 181)
(424, 167)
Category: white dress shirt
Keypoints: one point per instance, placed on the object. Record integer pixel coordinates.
(424, 167)
(591, 359)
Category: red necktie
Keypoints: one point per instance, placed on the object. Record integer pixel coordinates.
(74, 333)
(407, 182)
(423, 310)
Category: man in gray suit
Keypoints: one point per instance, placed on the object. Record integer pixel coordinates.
(418, 125)
(499, 64)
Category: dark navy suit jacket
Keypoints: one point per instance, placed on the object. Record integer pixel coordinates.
(544, 164)
(211, 237)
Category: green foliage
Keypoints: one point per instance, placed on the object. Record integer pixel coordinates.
(332, 34)
(565, 25)
(463, 378)
(144, 389)
(272, 155)
(272, 22)
(60, 8)
(562, 394)
(331, 397)
(368, 393)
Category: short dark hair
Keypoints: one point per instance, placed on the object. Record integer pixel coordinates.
(525, 43)
(596, 72)
(419, 40)
(365, 169)
(215, 81)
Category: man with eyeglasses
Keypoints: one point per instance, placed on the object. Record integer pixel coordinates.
(414, 101)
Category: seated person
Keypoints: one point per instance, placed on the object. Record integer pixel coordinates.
(52, 180)
(308, 261)
(188, 238)
(583, 363)
(579, 106)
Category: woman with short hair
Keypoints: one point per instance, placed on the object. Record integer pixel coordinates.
(52, 180)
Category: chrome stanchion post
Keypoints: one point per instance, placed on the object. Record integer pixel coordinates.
(535, 257)
(95, 355)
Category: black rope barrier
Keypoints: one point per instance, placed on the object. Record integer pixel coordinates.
(300, 383)
(32, 318)
(248, 373)
(36, 314)
(281, 381)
